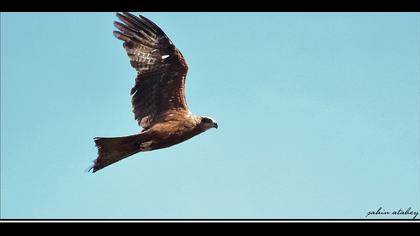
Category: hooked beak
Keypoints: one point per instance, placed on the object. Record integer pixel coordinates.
(215, 125)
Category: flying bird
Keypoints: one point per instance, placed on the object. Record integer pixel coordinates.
(158, 96)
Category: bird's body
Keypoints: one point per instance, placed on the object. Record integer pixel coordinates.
(158, 97)
(169, 133)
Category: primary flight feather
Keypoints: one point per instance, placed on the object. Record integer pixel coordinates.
(158, 96)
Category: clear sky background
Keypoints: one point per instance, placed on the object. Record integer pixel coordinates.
(318, 117)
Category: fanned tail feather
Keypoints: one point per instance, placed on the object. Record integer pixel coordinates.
(111, 150)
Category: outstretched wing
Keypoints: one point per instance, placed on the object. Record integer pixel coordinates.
(161, 70)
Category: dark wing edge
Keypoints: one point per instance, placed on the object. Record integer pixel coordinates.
(161, 69)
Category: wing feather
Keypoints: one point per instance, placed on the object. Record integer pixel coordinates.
(161, 69)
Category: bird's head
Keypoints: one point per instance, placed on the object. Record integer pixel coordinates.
(207, 123)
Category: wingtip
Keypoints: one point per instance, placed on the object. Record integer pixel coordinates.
(119, 15)
(121, 36)
(126, 15)
(129, 14)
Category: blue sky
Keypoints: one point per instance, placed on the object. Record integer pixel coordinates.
(318, 117)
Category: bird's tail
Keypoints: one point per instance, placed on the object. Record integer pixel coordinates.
(111, 150)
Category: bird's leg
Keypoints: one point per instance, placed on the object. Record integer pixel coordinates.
(146, 146)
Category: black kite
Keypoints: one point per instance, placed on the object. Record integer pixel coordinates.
(158, 96)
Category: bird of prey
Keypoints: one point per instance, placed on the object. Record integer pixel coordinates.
(158, 96)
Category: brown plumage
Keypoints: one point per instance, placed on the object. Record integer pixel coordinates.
(158, 96)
